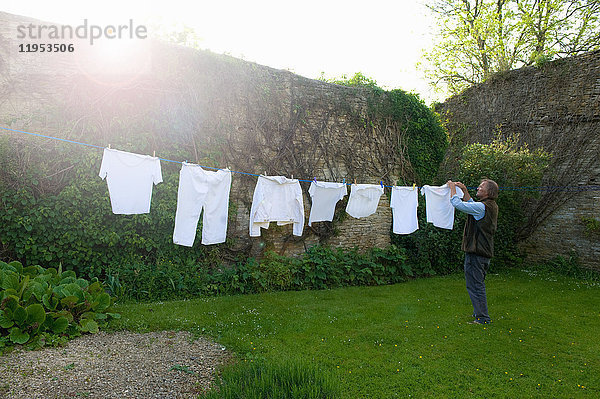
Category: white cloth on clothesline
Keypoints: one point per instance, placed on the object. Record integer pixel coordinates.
(363, 200)
(438, 208)
(130, 178)
(206, 192)
(324, 197)
(276, 199)
(404, 203)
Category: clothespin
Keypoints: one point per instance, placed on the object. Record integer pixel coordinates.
(354, 181)
(292, 177)
(414, 185)
(381, 182)
(265, 173)
(154, 154)
(344, 180)
(109, 146)
(315, 179)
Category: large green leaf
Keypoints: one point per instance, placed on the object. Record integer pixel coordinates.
(38, 290)
(101, 303)
(20, 315)
(6, 318)
(10, 302)
(17, 266)
(24, 283)
(88, 315)
(64, 313)
(50, 301)
(69, 301)
(88, 325)
(35, 314)
(31, 271)
(82, 283)
(70, 289)
(95, 288)
(59, 325)
(11, 292)
(67, 280)
(9, 280)
(17, 336)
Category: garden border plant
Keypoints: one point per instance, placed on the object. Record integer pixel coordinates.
(45, 307)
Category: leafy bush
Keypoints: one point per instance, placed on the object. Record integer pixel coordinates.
(592, 226)
(318, 268)
(41, 307)
(568, 266)
(283, 380)
(431, 250)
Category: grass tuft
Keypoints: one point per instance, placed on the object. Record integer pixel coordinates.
(281, 380)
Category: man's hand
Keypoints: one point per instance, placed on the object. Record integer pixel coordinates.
(466, 196)
(452, 186)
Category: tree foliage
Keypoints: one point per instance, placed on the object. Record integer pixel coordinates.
(477, 38)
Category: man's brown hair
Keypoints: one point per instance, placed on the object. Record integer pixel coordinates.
(491, 188)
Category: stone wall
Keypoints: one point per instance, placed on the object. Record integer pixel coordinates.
(555, 107)
(213, 110)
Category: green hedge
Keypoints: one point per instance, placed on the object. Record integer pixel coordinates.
(318, 268)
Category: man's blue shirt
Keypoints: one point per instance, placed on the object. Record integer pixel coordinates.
(477, 209)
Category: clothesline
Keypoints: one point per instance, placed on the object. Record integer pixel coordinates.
(540, 188)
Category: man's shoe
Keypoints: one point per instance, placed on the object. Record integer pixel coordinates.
(479, 322)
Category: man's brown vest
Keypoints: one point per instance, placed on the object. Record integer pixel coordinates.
(478, 237)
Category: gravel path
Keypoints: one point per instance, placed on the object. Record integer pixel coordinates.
(118, 365)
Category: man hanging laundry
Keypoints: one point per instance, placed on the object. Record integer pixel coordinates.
(478, 240)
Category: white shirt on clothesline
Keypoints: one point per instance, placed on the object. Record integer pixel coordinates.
(438, 208)
(276, 199)
(324, 196)
(130, 178)
(363, 200)
(404, 203)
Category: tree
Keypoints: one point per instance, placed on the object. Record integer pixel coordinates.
(477, 38)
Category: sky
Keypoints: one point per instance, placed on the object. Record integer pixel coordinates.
(382, 39)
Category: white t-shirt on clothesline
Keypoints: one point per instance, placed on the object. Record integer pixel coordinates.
(363, 200)
(404, 203)
(325, 196)
(438, 208)
(129, 178)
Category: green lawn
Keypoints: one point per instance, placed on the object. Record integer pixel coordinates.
(412, 339)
